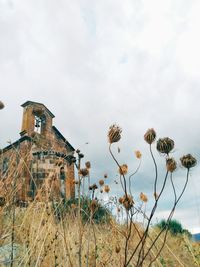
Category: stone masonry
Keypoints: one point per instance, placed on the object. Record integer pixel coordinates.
(41, 161)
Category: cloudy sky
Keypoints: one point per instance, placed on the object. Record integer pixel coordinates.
(94, 63)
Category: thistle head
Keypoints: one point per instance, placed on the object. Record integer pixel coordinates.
(165, 145)
(114, 134)
(188, 161)
(123, 169)
(150, 136)
(83, 172)
(171, 164)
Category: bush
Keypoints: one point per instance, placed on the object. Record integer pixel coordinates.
(174, 226)
(101, 214)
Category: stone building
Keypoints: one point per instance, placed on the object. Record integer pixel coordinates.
(41, 161)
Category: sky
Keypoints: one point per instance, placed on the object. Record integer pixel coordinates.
(95, 63)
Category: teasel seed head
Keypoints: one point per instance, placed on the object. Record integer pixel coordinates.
(165, 145)
(171, 164)
(114, 134)
(150, 136)
(188, 161)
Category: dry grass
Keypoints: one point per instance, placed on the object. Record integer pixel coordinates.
(46, 241)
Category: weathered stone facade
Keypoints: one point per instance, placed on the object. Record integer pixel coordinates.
(41, 161)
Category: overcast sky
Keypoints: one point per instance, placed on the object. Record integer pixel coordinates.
(94, 63)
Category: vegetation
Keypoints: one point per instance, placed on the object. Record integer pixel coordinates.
(54, 231)
(174, 227)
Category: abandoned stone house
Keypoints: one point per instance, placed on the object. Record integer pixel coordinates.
(40, 159)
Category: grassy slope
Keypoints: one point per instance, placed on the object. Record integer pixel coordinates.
(45, 241)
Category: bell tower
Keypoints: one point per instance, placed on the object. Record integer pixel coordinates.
(36, 118)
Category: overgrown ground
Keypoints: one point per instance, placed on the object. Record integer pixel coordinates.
(43, 237)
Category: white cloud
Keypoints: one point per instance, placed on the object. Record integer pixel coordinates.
(98, 62)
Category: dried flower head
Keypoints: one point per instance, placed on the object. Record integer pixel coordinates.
(171, 164)
(106, 188)
(93, 187)
(117, 249)
(188, 161)
(127, 201)
(105, 175)
(114, 134)
(138, 154)
(81, 155)
(121, 200)
(1, 105)
(143, 197)
(123, 169)
(101, 182)
(88, 165)
(101, 191)
(150, 136)
(165, 145)
(83, 172)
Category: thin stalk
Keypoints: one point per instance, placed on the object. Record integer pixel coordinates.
(148, 224)
(170, 216)
(156, 172)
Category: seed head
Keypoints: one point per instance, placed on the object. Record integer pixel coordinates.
(83, 172)
(165, 145)
(105, 175)
(143, 197)
(138, 154)
(1, 105)
(106, 188)
(188, 161)
(171, 164)
(88, 165)
(93, 187)
(150, 136)
(123, 169)
(127, 201)
(114, 134)
(101, 182)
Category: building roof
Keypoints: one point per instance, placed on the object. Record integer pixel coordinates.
(63, 138)
(16, 143)
(27, 103)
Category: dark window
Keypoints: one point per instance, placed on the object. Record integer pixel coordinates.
(62, 173)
